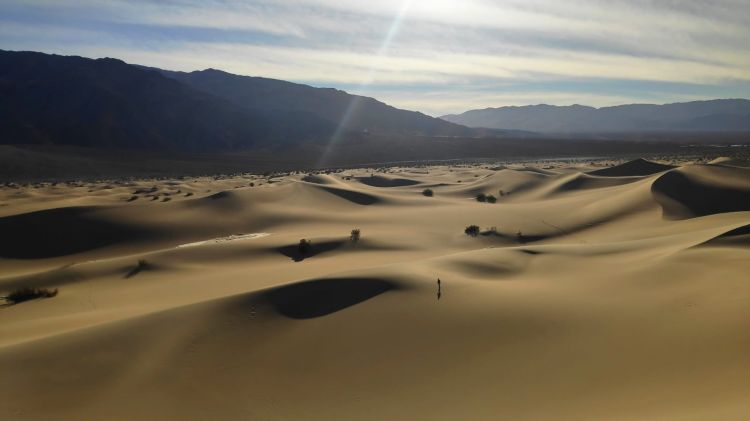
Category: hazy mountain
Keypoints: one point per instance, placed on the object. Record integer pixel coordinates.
(64, 100)
(715, 115)
(355, 112)
(50, 99)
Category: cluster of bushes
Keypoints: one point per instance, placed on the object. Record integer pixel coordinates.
(427, 192)
(305, 246)
(474, 230)
(486, 198)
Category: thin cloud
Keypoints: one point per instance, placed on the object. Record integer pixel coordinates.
(441, 46)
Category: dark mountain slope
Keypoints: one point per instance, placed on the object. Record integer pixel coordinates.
(356, 112)
(50, 99)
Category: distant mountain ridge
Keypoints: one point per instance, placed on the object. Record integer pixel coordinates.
(353, 112)
(721, 115)
(107, 103)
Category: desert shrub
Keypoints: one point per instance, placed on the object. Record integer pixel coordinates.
(481, 197)
(519, 237)
(491, 199)
(305, 246)
(472, 230)
(142, 265)
(26, 294)
(354, 236)
(427, 192)
(501, 193)
(252, 184)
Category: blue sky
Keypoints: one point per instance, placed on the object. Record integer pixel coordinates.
(435, 56)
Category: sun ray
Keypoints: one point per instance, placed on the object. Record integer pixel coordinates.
(371, 74)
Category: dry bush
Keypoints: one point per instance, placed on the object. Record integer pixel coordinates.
(305, 246)
(472, 230)
(25, 294)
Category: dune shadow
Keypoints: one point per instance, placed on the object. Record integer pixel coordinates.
(377, 181)
(699, 199)
(138, 268)
(738, 237)
(316, 298)
(638, 167)
(294, 253)
(515, 238)
(352, 196)
(220, 195)
(585, 182)
(61, 232)
(345, 245)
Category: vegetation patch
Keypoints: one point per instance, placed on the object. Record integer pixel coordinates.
(472, 230)
(25, 294)
(304, 246)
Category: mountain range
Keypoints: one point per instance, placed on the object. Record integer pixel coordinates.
(722, 115)
(68, 100)
(109, 104)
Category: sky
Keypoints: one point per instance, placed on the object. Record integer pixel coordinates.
(434, 56)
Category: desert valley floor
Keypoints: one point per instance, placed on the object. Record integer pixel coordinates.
(589, 293)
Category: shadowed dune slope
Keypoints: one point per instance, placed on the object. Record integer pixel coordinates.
(353, 196)
(320, 297)
(738, 237)
(724, 160)
(62, 231)
(318, 247)
(633, 168)
(510, 181)
(225, 201)
(382, 181)
(701, 190)
(320, 179)
(577, 182)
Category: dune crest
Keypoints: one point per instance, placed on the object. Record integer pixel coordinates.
(638, 167)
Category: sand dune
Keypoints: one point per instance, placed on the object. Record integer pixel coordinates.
(633, 168)
(691, 192)
(617, 293)
(732, 162)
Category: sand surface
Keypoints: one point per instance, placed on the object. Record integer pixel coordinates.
(618, 294)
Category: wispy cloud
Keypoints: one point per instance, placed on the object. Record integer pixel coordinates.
(447, 55)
